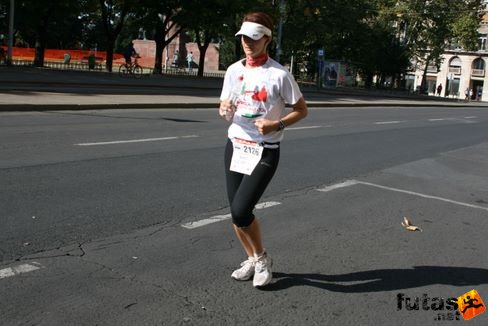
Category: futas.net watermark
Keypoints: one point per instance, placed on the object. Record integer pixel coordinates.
(466, 306)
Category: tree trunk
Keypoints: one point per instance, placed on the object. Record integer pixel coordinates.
(203, 50)
(423, 83)
(162, 41)
(159, 39)
(40, 45)
(110, 55)
(201, 60)
(39, 53)
(111, 31)
(368, 80)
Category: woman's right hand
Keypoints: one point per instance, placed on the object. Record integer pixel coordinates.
(227, 109)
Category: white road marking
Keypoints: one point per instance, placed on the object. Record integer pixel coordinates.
(267, 204)
(388, 122)
(218, 218)
(471, 117)
(210, 220)
(424, 195)
(305, 127)
(440, 119)
(355, 182)
(338, 185)
(115, 142)
(16, 270)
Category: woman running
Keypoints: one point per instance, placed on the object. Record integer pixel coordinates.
(253, 99)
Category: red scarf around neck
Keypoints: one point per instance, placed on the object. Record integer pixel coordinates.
(257, 61)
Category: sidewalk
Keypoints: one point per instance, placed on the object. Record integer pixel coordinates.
(24, 89)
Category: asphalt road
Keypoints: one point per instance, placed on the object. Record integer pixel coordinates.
(94, 202)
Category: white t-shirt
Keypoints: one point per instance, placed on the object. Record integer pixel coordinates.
(260, 92)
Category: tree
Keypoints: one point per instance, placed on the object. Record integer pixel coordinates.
(465, 31)
(431, 25)
(114, 14)
(44, 23)
(161, 18)
(210, 23)
(380, 48)
(344, 34)
(4, 20)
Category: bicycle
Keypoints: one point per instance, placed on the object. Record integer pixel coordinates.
(133, 69)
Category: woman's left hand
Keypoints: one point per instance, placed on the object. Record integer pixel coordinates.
(266, 126)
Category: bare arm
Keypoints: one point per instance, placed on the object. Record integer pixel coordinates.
(299, 112)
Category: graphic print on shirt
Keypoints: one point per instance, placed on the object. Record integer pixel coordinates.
(252, 102)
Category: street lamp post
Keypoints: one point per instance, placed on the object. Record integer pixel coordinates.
(11, 32)
(280, 30)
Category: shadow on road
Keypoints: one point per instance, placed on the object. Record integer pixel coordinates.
(383, 279)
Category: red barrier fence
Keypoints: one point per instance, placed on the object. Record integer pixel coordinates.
(59, 55)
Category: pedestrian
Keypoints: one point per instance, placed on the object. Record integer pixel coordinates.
(470, 94)
(176, 59)
(466, 94)
(439, 90)
(3, 55)
(189, 60)
(480, 93)
(253, 98)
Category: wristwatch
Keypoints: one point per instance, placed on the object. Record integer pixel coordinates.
(281, 126)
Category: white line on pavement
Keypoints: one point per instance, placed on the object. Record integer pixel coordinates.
(424, 195)
(338, 185)
(135, 140)
(355, 182)
(267, 204)
(24, 268)
(388, 122)
(433, 120)
(210, 220)
(218, 218)
(305, 127)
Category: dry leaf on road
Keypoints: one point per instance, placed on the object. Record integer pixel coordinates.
(407, 224)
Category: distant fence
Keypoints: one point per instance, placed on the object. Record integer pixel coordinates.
(83, 65)
(86, 60)
(59, 55)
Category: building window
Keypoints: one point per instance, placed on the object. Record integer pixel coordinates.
(455, 66)
(482, 43)
(478, 68)
(479, 64)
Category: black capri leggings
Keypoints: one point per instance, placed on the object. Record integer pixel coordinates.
(244, 191)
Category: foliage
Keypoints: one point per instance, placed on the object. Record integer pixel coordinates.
(464, 30)
(344, 34)
(209, 25)
(377, 37)
(43, 24)
(431, 26)
(114, 14)
(161, 18)
(4, 19)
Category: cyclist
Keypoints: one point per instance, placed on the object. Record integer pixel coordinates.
(129, 52)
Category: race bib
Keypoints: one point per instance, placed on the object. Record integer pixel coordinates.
(246, 156)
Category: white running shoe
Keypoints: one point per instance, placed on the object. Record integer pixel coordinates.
(262, 271)
(246, 271)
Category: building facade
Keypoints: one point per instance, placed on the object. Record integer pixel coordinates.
(461, 72)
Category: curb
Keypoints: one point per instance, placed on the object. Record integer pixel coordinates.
(109, 106)
(35, 84)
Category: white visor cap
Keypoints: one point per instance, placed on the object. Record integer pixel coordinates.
(253, 30)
